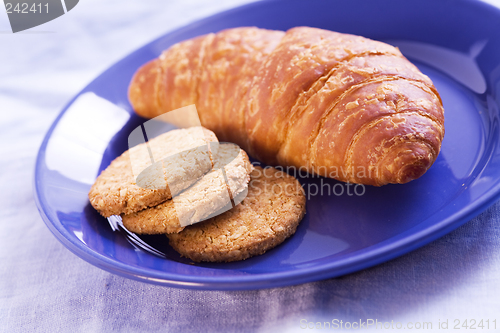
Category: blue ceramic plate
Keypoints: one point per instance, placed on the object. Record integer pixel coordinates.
(455, 43)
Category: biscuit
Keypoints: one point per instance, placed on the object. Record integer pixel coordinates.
(209, 196)
(271, 212)
(116, 192)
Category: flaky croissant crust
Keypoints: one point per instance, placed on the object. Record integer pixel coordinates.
(338, 105)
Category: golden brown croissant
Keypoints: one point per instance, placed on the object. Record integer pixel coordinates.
(334, 104)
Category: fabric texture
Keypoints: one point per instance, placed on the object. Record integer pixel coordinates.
(46, 288)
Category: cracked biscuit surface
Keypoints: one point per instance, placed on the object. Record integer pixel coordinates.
(271, 212)
(115, 191)
(209, 196)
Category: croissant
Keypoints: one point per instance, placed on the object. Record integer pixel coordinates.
(337, 105)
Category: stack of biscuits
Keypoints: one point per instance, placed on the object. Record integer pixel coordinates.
(205, 196)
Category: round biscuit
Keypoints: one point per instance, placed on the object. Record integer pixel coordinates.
(115, 190)
(205, 198)
(271, 212)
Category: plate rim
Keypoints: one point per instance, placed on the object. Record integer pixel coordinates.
(369, 257)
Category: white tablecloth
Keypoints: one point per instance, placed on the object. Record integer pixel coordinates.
(46, 288)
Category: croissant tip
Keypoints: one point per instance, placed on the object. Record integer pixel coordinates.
(411, 172)
(141, 90)
(412, 160)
